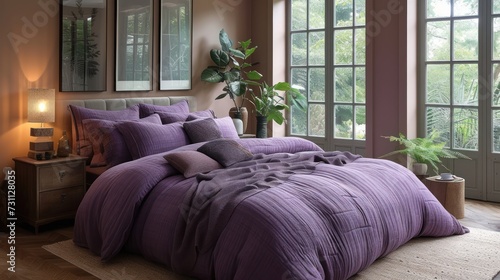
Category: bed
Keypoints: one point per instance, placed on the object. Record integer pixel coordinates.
(199, 200)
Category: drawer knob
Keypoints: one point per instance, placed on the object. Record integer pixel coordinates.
(62, 173)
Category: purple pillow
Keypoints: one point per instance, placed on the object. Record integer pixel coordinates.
(149, 109)
(225, 151)
(109, 147)
(202, 130)
(191, 163)
(83, 145)
(227, 128)
(170, 117)
(145, 139)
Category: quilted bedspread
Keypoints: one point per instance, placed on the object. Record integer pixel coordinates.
(293, 211)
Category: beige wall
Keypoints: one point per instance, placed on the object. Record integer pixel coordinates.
(35, 63)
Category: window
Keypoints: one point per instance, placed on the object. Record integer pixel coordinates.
(327, 59)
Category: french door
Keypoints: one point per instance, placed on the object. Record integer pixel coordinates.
(460, 87)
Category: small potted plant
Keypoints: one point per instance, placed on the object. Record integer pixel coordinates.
(424, 152)
(232, 68)
(269, 105)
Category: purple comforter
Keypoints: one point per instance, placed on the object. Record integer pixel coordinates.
(291, 212)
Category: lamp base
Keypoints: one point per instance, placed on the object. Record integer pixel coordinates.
(41, 155)
(42, 146)
(42, 131)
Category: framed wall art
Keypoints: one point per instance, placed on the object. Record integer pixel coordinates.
(83, 45)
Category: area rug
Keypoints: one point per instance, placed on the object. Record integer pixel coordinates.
(475, 255)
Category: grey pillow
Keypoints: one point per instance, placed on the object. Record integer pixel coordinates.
(225, 151)
(202, 130)
(191, 163)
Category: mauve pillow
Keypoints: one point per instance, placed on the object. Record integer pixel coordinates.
(225, 151)
(191, 163)
(227, 128)
(83, 145)
(149, 109)
(202, 130)
(145, 139)
(170, 117)
(109, 147)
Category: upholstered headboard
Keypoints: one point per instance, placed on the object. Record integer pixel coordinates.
(113, 105)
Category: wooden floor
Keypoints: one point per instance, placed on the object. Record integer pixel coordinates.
(33, 262)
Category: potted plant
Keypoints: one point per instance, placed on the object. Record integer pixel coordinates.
(424, 152)
(269, 105)
(232, 68)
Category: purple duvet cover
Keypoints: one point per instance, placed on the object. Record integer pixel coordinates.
(293, 211)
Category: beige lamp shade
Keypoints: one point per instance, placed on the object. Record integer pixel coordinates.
(41, 105)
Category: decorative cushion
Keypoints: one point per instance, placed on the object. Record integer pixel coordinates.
(84, 146)
(145, 139)
(202, 130)
(109, 147)
(149, 109)
(225, 151)
(191, 163)
(170, 117)
(226, 127)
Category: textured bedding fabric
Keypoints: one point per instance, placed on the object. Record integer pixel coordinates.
(292, 211)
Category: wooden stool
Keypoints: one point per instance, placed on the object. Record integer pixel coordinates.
(451, 194)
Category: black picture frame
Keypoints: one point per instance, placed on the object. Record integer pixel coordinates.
(176, 29)
(134, 45)
(82, 46)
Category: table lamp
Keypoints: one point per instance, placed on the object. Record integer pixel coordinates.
(41, 109)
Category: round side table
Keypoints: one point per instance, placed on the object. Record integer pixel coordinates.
(451, 194)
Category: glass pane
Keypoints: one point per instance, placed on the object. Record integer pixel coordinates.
(317, 48)
(438, 8)
(438, 119)
(343, 121)
(465, 84)
(466, 128)
(438, 40)
(343, 84)
(298, 121)
(496, 6)
(299, 77)
(360, 125)
(496, 131)
(465, 40)
(299, 15)
(360, 13)
(360, 46)
(317, 120)
(438, 84)
(496, 85)
(496, 38)
(317, 84)
(316, 14)
(299, 49)
(465, 7)
(343, 47)
(360, 85)
(343, 13)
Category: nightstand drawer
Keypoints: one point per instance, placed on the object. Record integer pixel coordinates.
(60, 202)
(58, 176)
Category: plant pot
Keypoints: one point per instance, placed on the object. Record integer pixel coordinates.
(419, 168)
(261, 127)
(244, 116)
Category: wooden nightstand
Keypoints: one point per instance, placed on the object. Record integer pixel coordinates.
(451, 194)
(48, 190)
